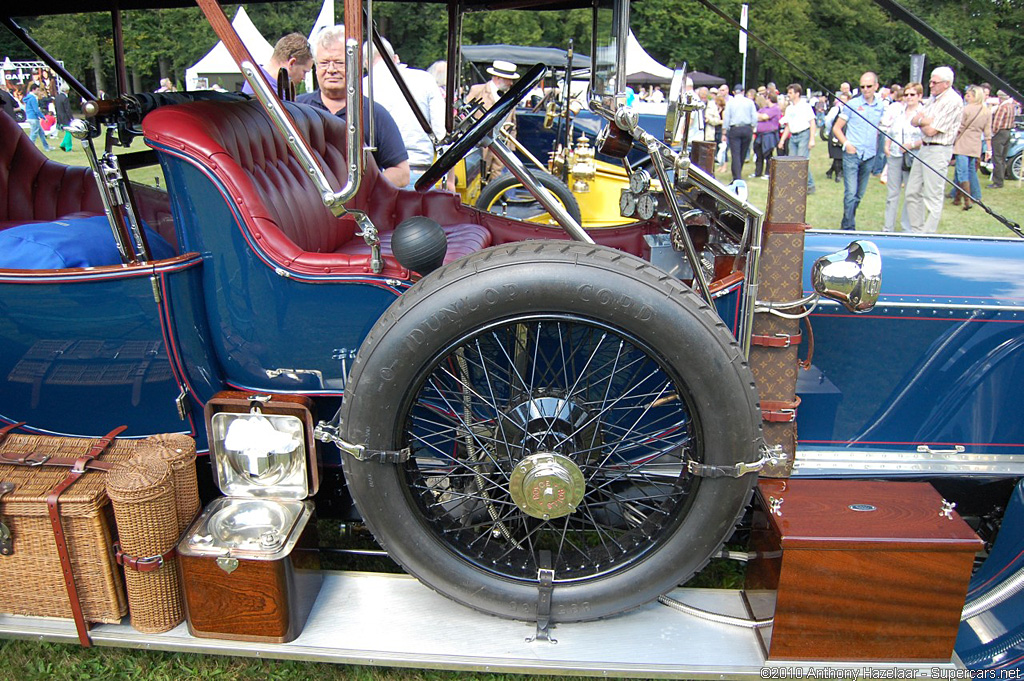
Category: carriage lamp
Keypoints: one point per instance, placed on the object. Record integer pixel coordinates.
(852, 277)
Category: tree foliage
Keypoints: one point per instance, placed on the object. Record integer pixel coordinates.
(817, 42)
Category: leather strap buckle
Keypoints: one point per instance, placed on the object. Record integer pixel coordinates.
(779, 340)
(777, 411)
(142, 564)
(34, 459)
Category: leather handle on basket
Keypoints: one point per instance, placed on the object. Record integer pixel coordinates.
(78, 469)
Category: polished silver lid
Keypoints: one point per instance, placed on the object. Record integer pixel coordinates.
(259, 529)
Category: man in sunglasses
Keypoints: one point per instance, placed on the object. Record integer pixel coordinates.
(856, 128)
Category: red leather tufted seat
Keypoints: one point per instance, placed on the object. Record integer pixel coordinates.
(36, 189)
(279, 202)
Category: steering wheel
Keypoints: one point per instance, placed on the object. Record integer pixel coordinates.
(478, 130)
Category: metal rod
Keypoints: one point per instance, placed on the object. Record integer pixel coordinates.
(392, 67)
(120, 69)
(677, 217)
(79, 129)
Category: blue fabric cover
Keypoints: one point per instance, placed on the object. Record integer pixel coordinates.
(79, 242)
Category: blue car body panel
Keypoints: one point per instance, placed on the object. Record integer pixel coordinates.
(938, 362)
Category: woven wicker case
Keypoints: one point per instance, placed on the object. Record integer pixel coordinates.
(32, 581)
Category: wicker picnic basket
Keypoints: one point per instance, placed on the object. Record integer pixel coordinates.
(142, 494)
(179, 451)
(33, 580)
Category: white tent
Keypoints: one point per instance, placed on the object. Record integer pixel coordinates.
(324, 20)
(642, 67)
(217, 67)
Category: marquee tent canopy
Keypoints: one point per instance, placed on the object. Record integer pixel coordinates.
(642, 67)
(217, 67)
(701, 79)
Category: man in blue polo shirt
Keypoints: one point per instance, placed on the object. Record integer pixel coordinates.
(329, 61)
(856, 128)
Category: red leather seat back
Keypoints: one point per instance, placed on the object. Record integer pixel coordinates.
(34, 188)
(239, 144)
(277, 198)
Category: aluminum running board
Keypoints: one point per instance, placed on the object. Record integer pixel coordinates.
(393, 620)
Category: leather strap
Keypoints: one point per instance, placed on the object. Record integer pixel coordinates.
(779, 411)
(8, 428)
(143, 564)
(779, 340)
(35, 459)
(805, 364)
(53, 508)
(785, 227)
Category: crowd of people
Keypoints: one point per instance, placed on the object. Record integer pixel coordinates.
(891, 133)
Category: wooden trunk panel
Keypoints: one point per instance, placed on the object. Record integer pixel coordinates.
(251, 603)
(869, 605)
(886, 584)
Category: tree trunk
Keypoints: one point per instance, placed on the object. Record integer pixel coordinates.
(97, 70)
(136, 81)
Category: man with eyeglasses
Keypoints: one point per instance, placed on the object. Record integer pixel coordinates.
(856, 128)
(939, 122)
(329, 61)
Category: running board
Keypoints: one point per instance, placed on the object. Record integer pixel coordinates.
(393, 620)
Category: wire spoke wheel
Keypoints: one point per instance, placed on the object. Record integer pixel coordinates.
(550, 396)
(553, 433)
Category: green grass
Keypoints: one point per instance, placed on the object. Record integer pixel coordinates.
(825, 206)
(34, 661)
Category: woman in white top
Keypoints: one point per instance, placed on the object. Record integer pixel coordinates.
(907, 138)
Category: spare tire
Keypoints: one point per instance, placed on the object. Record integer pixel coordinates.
(551, 397)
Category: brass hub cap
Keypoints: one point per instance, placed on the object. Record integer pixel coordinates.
(547, 485)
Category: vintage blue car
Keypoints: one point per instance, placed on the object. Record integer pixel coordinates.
(515, 407)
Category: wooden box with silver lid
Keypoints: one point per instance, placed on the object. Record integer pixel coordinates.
(250, 564)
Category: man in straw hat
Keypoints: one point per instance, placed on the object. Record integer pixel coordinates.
(503, 74)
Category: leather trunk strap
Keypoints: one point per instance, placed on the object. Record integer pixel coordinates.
(779, 411)
(779, 340)
(8, 428)
(33, 459)
(78, 469)
(805, 364)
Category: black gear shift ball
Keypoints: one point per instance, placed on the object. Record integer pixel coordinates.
(419, 244)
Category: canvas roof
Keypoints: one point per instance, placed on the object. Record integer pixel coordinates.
(219, 61)
(642, 67)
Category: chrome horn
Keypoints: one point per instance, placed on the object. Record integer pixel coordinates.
(852, 276)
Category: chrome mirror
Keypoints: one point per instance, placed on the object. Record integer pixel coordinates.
(852, 276)
(675, 98)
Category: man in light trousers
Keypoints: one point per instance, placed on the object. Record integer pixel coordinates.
(939, 122)
(800, 128)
